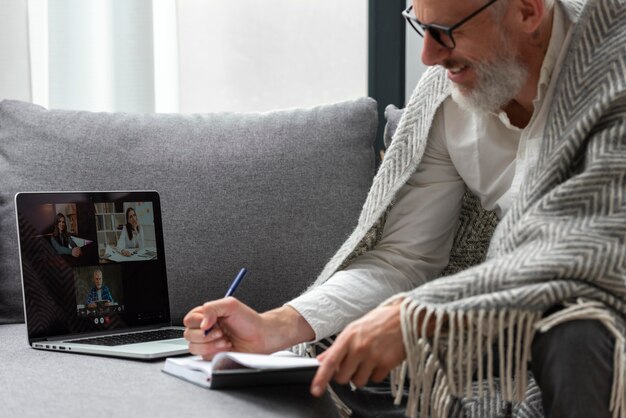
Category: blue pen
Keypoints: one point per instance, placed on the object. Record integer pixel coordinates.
(231, 290)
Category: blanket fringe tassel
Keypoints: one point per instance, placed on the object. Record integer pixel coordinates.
(466, 339)
(445, 365)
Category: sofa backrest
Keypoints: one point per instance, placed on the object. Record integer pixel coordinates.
(275, 192)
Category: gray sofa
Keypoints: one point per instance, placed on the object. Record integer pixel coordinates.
(276, 192)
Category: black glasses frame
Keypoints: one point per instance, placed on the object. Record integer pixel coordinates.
(437, 30)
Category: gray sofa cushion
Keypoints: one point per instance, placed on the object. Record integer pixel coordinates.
(393, 116)
(275, 192)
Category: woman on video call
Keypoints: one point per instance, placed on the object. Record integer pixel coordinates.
(131, 237)
(61, 239)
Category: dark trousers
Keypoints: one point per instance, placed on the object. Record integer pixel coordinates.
(572, 364)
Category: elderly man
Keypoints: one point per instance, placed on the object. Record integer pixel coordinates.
(99, 292)
(525, 106)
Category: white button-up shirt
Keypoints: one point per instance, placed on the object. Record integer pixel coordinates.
(486, 153)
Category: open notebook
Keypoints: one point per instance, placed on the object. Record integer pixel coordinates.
(229, 369)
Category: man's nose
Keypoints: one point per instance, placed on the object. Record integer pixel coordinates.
(433, 52)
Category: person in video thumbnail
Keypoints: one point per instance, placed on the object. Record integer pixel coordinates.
(131, 237)
(99, 292)
(61, 239)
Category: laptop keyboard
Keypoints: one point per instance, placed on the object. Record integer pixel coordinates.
(134, 338)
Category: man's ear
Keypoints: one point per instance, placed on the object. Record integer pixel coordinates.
(528, 14)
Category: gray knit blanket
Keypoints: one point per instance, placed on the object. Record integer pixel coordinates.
(562, 242)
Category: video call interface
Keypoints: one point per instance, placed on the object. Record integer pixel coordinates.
(92, 262)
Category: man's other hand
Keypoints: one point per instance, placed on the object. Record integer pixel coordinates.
(366, 350)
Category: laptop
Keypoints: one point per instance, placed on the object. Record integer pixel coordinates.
(93, 274)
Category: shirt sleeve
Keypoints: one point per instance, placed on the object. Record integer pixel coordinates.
(140, 239)
(414, 248)
(121, 241)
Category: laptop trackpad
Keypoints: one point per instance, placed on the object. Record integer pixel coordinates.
(181, 342)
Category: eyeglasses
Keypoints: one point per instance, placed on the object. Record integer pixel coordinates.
(441, 34)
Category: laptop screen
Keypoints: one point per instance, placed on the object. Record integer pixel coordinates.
(91, 261)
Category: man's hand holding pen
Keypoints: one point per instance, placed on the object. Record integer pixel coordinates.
(229, 325)
(234, 327)
(237, 327)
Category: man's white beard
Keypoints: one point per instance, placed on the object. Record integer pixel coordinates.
(497, 82)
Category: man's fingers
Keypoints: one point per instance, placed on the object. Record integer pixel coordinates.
(193, 318)
(322, 377)
(208, 350)
(348, 368)
(379, 374)
(196, 335)
(221, 308)
(362, 374)
(205, 316)
(332, 358)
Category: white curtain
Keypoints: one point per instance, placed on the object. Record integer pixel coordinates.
(246, 54)
(182, 55)
(14, 58)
